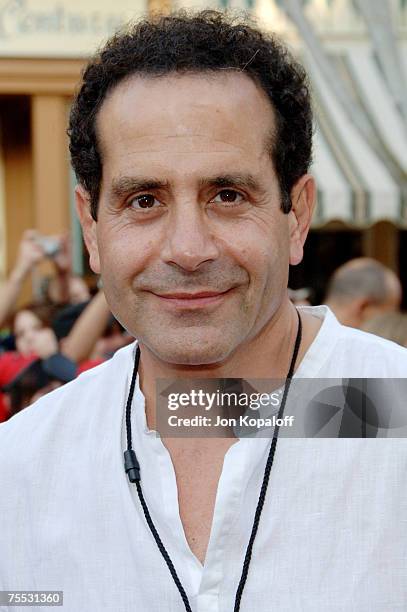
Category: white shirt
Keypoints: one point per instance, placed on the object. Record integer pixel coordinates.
(332, 536)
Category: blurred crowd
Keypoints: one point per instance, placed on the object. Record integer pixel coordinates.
(65, 331)
(69, 328)
(366, 295)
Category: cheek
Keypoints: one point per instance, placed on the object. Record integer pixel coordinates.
(115, 249)
(23, 342)
(123, 255)
(265, 256)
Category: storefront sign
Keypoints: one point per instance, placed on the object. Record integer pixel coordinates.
(61, 28)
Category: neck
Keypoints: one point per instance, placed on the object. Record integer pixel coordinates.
(267, 355)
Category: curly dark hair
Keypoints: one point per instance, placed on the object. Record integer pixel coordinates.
(200, 42)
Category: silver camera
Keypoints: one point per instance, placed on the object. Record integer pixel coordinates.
(50, 245)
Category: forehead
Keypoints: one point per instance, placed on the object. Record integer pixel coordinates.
(25, 318)
(179, 115)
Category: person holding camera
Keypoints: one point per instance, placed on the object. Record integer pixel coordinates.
(34, 249)
(31, 337)
(30, 253)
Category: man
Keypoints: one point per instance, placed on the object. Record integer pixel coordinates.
(191, 139)
(361, 289)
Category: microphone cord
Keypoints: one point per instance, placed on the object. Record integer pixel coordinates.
(132, 469)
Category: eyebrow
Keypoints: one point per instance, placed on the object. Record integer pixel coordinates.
(247, 181)
(127, 184)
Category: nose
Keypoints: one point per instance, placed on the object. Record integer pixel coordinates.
(189, 240)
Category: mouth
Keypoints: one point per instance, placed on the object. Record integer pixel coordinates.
(193, 300)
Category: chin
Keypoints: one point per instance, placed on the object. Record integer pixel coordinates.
(196, 354)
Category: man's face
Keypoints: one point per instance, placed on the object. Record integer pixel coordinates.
(190, 205)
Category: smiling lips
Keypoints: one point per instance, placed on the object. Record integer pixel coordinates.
(202, 298)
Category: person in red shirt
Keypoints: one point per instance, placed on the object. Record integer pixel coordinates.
(11, 363)
(33, 340)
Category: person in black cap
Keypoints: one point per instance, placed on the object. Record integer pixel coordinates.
(39, 378)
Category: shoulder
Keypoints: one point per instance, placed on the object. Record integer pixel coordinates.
(65, 414)
(339, 350)
(379, 355)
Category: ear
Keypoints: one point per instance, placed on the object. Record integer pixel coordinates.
(300, 215)
(82, 202)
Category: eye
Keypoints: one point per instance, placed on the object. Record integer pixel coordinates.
(146, 201)
(228, 196)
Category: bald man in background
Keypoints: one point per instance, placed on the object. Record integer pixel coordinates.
(361, 289)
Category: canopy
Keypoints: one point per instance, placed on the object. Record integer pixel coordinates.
(361, 174)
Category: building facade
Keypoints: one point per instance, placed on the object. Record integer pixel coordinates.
(357, 59)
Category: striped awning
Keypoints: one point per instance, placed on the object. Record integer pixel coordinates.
(360, 180)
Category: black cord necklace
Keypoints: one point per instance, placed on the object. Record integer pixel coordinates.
(132, 469)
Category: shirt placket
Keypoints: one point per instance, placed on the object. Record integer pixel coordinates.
(167, 515)
(202, 583)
